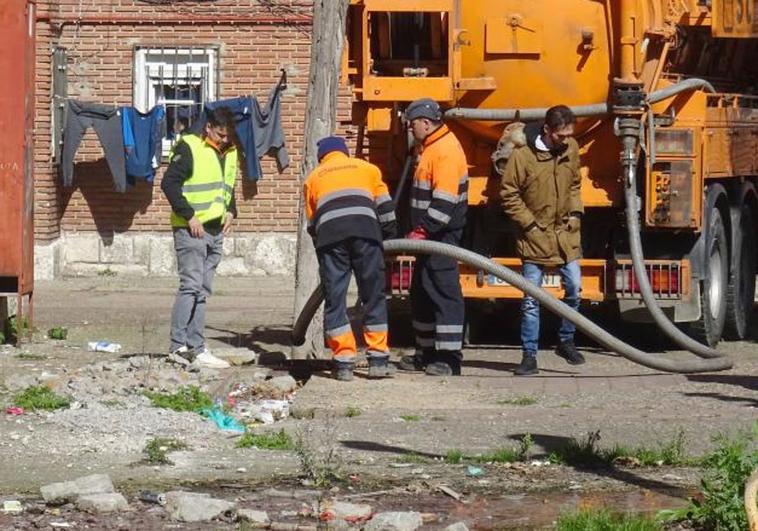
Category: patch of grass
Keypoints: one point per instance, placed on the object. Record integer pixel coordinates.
(410, 418)
(438, 419)
(353, 411)
(605, 520)
(107, 272)
(671, 453)
(454, 457)
(267, 441)
(518, 401)
(58, 332)
(501, 455)
(721, 504)
(40, 397)
(587, 453)
(156, 450)
(187, 398)
(30, 356)
(413, 458)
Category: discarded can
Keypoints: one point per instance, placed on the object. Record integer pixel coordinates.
(148, 496)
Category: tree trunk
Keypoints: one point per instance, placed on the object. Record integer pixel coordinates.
(320, 117)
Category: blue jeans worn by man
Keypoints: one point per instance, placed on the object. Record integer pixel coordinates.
(571, 277)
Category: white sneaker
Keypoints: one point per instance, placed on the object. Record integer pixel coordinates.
(181, 356)
(206, 359)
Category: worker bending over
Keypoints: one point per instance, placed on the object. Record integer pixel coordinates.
(349, 213)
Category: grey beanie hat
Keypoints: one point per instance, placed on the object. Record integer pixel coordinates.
(423, 108)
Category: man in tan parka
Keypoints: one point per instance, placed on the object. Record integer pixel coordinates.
(540, 190)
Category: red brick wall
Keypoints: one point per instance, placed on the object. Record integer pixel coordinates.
(100, 59)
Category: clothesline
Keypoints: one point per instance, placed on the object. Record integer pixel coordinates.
(132, 140)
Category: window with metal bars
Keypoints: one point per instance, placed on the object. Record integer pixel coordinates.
(183, 79)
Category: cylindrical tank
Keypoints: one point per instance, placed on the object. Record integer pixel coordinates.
(539, 53)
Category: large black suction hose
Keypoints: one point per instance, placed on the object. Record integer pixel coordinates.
(629, 165)
(546, 299)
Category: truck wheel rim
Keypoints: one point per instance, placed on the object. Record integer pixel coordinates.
(715, 288)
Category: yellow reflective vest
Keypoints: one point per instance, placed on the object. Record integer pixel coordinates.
(208, 190)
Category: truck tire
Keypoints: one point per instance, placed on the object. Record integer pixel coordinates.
(741, 289)
(709, 328)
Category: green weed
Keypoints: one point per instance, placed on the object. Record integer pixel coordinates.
(30, 356)
(721, 505)
(412, 458)
(13, 329)
(454, 457)
(519, 401)
(267, 441)
(410, 418)
(58, 332)
(501, 455)
(156, 450)
(586, 453)
(40, 397)
(353, 411)
(187, 398)
(107, 272)
(605, 520)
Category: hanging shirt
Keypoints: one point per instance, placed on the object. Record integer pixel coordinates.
(142, 140)
(269, 134)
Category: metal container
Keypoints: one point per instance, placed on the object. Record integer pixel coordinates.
(17, 60)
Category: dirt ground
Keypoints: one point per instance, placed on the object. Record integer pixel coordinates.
(387, 439)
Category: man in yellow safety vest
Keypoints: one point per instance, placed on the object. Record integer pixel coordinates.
(199, 185)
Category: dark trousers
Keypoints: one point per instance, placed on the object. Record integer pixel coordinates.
(437, 303)
(106, 120)
(365, 259)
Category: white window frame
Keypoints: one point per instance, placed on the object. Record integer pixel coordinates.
(180, 66)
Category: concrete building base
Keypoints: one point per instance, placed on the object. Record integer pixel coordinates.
(152, 254)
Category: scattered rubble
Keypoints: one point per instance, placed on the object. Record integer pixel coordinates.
(69, 491)
(195, 507)
(458, 526)
(106, 502)
(252, 516)
(348, 512)
(395, 521)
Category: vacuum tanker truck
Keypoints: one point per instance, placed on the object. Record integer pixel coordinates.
(665, 95)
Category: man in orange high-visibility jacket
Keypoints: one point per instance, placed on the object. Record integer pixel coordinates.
(349, 213)
(439, 199)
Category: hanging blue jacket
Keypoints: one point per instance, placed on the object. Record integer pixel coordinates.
(142, 140)
(242, 108)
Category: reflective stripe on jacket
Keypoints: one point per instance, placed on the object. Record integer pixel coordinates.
(439, 195)
(346, 197)
(210, 188)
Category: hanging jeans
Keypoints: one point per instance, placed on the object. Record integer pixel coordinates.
(106, 120)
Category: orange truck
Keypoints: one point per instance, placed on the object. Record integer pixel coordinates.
(668, 131)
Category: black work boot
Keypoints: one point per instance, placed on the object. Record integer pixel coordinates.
(379, 367)
(567, 351)
(343, 368)
(445, 363)
(415, 363)
(527, 367)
